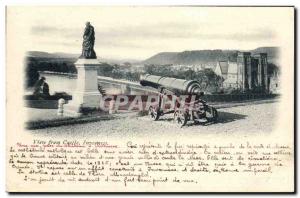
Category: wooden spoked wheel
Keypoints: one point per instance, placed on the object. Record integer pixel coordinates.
(180, 118)
(153, 113)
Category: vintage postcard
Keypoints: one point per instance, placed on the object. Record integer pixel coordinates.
(150, 99)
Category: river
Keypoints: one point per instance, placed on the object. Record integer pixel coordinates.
(63, 83)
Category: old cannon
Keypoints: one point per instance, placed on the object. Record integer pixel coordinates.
(186, 95)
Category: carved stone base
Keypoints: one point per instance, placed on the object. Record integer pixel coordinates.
(87, 95)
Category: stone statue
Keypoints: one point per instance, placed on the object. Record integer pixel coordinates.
(88, 42)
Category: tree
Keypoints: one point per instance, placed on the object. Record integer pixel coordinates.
(272, 68)
(208, 79)
(32, 74)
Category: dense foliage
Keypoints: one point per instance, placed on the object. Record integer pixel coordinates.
(33, 65)
(209, 80)
(118, 72)
(66, 65)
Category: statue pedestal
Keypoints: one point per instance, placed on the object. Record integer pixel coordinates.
(87, 95)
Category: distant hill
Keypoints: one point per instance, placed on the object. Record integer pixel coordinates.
(273, 53)
(194, 57)
(197, 57)
(61, 55)
(39, 54)
(162, 58)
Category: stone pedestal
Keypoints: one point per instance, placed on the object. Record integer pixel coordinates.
(87, 95)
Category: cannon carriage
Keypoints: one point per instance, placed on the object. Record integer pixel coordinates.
(186, 95)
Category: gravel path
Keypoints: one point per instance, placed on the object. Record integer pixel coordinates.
(231, 121)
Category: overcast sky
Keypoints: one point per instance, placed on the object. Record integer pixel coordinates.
(139, 32)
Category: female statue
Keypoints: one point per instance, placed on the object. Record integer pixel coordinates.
(88, 42)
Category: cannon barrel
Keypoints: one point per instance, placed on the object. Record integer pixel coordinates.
(177, 86)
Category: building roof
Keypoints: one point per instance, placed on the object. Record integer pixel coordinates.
(223, 66)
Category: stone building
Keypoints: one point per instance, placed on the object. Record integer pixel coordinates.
(247, 73)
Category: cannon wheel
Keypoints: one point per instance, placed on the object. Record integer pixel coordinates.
(153, 113)
(212, 114)
(180, 118)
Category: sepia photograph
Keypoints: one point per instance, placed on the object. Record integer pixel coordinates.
(231, 85)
